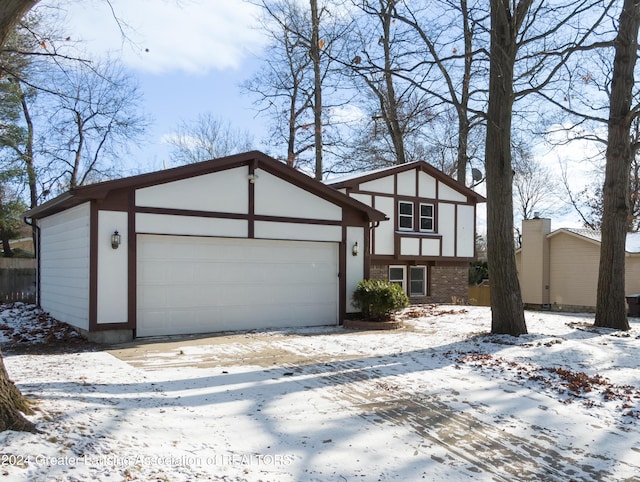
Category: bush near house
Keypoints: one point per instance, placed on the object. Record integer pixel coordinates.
(378, 299)
(478, 272)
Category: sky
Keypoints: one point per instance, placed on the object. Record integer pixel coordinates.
(188, 56)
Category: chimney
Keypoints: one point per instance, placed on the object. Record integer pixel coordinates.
(534, 275)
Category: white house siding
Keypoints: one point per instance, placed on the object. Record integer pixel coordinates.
(277, 197)
(355, 264)
(224, 191)
(426, 185)
(445, 193)
(406, 183)
(384, 233)
(383, 185)
(191, 225)
(465, 242)
(296, 231)
(447, 227)
(112, 268)
(64, 265)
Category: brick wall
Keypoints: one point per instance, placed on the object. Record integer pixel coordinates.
(446, 283)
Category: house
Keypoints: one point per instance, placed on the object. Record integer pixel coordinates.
(241, 242)
(559, 269)
(246, 242)
(429, 239)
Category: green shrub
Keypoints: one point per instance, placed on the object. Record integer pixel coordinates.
(378, 300)
(478, 272)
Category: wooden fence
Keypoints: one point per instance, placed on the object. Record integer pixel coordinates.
(17, 280)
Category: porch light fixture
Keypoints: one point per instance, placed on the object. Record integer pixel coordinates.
(252, 178)
(355, 250)
(115, 239)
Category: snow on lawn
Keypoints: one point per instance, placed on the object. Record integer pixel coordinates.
(440, 399)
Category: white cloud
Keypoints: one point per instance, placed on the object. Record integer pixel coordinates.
(194, 36)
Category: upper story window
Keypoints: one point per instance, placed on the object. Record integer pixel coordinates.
(405, 215)
(426, 217)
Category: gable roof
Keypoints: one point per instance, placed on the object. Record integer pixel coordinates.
(257, 159)
(352, 180)
(632, 245)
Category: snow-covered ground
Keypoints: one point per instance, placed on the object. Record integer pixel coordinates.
(437, 400)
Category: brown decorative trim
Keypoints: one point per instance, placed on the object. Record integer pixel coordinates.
(418, 166)
(251, 225)
(251, 217)
(439, 261)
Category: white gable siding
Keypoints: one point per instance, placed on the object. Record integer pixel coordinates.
(409, 246)
(296, 231)
(224, 191)
(64, 265)
(431, 247)
(363, 198)
(384, 233)
(383, 185)
(112, 269)
(190, 225)
(445, 193)
(426, 186)
(407, 183)
(277, 197)
(447, 227)
(466, 231)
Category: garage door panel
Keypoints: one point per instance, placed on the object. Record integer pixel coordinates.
(199, 285)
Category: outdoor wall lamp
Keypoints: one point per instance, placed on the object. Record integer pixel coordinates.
(355, 250)
(115, 239)
(252, 178)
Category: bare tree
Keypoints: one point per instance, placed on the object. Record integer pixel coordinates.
(447, 71)
(283, 86)
(93, 115)
(207, 137)
(610, 306)
(536, 190)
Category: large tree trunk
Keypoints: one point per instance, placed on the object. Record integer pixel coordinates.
(507, 313)
(610, 305)
(11, 11)
(13, 405)
(317, 86)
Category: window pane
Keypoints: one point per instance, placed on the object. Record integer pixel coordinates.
(405, 222)
(417, 281)
(426, 210)
(396, 274)
(426, 224)
(406, 208)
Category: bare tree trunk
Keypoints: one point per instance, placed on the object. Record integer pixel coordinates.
(386, 12)
(610, 304)
(317, 86)
(507, 313)
(13, 405)
(11, 11)
(462, 107)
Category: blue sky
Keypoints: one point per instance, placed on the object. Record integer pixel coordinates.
(189, 57)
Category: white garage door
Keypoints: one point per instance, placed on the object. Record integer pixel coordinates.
(199, 285)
